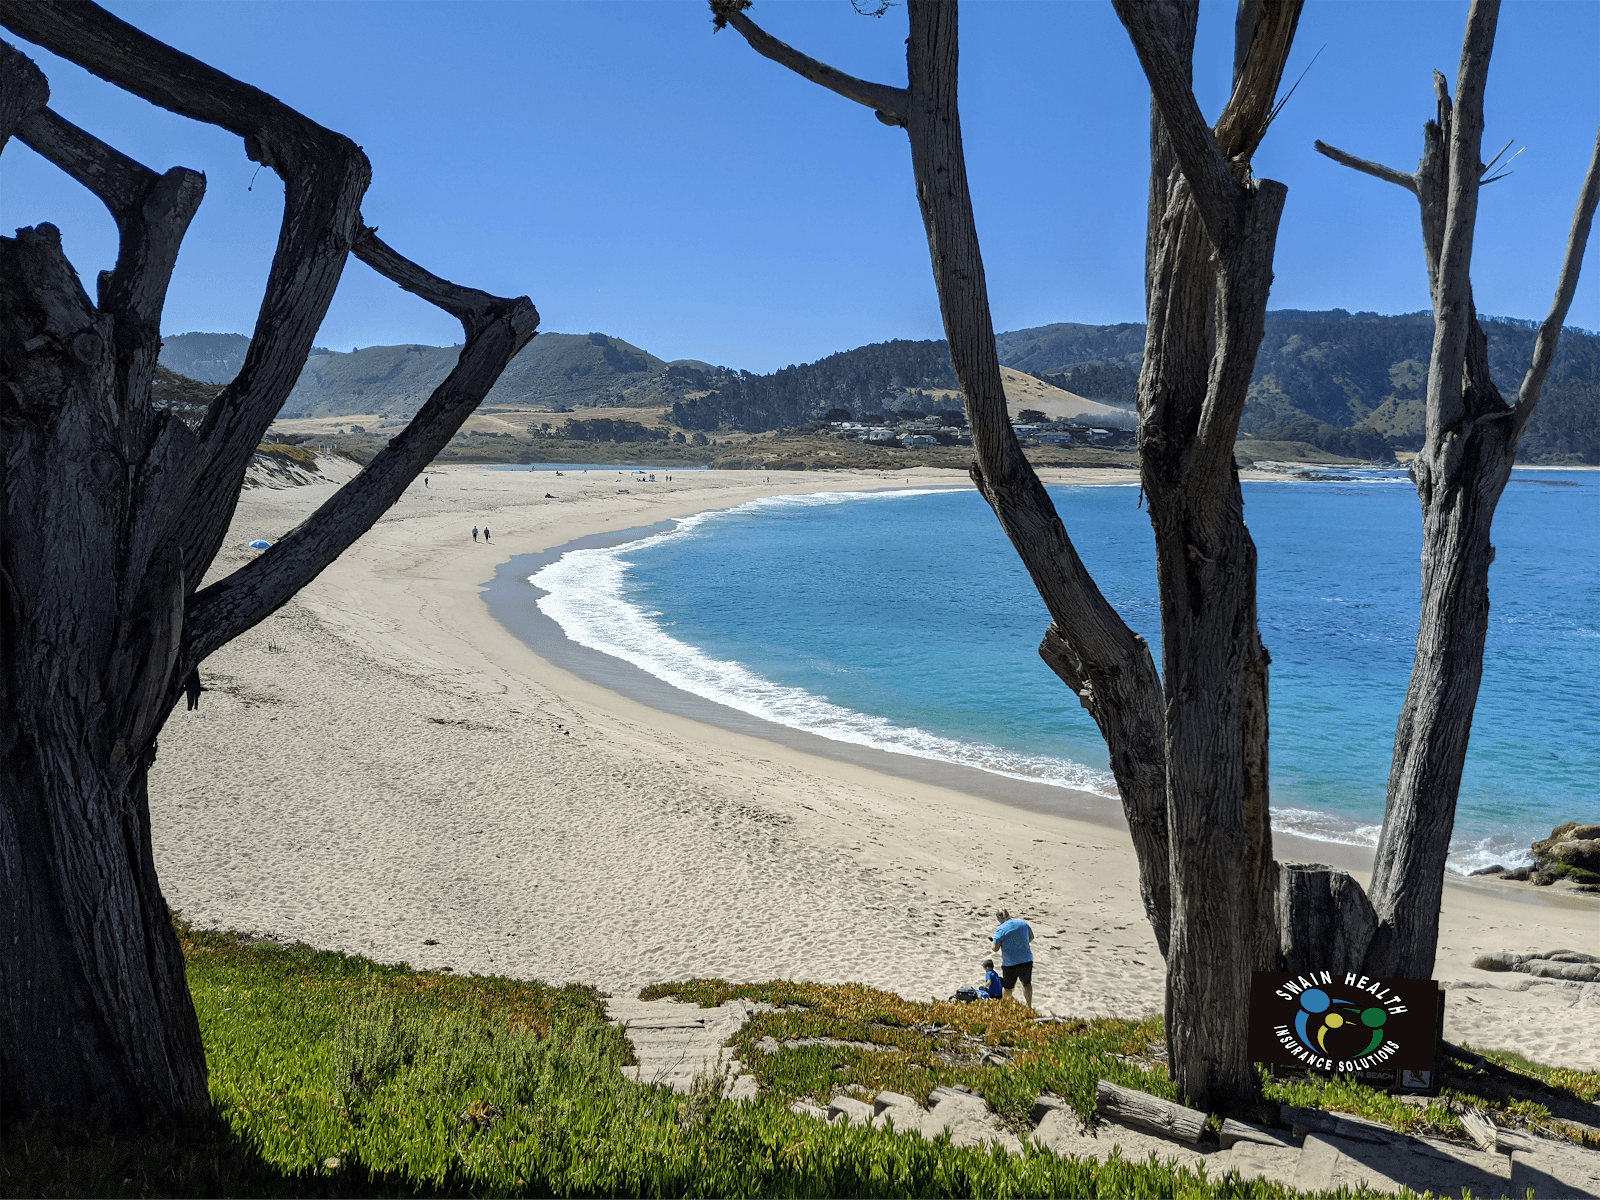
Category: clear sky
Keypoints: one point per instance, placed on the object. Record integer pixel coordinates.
(637, 175)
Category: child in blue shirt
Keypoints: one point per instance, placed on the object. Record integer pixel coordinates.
(992, 985)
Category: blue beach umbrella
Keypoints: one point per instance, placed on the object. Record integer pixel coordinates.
(261, 544)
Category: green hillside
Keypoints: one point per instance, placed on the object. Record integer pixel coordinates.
(555, 370)
(1350, 384)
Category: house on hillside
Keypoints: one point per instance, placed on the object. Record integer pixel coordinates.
(910, 440)
(880, 434)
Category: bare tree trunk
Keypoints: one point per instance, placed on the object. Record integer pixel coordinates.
(1460, 473)
(111, 511)
(1208, 274)
(1088, 645)
(1203, 760)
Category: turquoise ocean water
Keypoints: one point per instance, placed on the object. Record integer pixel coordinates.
(903, 620)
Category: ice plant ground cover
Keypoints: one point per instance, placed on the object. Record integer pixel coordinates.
(333, 1075)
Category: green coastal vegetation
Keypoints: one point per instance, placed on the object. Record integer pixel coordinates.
(1328, 386)
(333, 1075)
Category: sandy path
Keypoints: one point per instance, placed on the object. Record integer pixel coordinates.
(382, 768)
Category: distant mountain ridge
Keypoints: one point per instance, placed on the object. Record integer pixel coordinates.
(564, 368)
(1350, 383)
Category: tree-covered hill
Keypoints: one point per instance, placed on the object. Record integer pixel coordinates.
(1349, 383)
(882, 377)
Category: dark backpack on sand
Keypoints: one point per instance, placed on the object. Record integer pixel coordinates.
(965, 995)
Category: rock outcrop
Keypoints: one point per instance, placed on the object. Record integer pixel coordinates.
(1570, 845)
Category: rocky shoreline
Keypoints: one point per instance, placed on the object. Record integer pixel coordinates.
(1570, 854)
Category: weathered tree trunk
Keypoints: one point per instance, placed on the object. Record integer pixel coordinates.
(1088, 645)
(1192, 773)
(1467, 455)
(111, 511)
(1208, 275)
(1326, 919)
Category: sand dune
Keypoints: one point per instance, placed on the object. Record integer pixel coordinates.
(382, 768)
(1024, 391)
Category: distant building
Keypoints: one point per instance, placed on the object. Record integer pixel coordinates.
(1056, 439)
(1100, 435)
(918, 439)
(880, 434)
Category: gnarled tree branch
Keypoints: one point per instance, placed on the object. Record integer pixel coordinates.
(1368, 167)
(467, 305)
(325, 175)
(1154, 26)
(888, 102)
(1544, 349)
(152, 213)
(496, 330)
(119, 181)
(1257, 75)
(1106, 664)
(23, 90)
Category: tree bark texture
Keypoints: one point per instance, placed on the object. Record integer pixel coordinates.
(112, 512)
(1210, 266)
(1460, 473)
(1088, 645)
(1214, 228)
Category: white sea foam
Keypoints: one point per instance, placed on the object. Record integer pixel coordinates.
(586, 598)
(1465, 856)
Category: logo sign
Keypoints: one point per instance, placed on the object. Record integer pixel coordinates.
(1342, 1021)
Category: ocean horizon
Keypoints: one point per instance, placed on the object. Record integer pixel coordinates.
(902, 620)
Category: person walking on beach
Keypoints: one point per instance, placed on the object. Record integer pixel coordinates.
(1013, 939)
(474, 533)
(486, 533)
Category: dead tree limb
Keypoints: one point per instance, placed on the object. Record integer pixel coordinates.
(1460, 473)
(1212, 231)
(1544, 348)
(152, 213)
(496, 330)
(23, 90)
(1088, 645)
(1368, 167)
(888, 102)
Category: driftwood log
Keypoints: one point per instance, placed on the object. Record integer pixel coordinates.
(1481, 1130)
(1141, 1110)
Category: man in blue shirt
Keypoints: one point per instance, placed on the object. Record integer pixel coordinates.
(1014, 940)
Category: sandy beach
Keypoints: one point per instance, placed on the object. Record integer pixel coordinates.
(384, 768)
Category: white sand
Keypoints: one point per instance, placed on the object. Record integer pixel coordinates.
(381, 765)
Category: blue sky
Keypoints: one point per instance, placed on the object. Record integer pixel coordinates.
(637, 175)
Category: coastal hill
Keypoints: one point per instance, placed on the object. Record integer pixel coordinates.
(1348, 384)
(556, 369)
